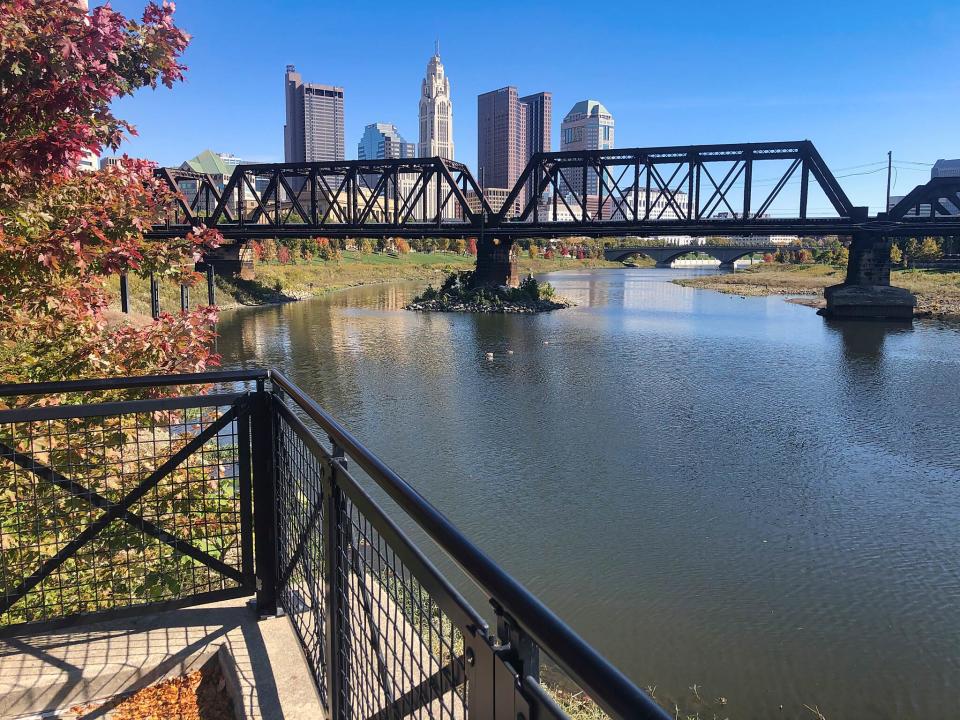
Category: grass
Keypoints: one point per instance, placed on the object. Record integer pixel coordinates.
(275, 282)
(937, 292)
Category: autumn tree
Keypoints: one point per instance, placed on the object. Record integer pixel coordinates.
(896, 255)
(66, 235)
(929, 250)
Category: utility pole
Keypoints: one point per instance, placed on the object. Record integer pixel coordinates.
(889, 170)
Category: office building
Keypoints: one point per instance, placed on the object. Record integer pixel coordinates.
(436, 112)
(383, 140)
(314, 128)
(501, 138)
(588, 126)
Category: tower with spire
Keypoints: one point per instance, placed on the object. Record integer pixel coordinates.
(436, 111)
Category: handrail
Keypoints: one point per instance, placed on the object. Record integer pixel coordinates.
(136, 381)
(607, 685)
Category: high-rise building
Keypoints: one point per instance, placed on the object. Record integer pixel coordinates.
(588, 126)
(383, 140)
(510, 129)
(539, 119)
(436, 112)
(501, 138)
(314, 128)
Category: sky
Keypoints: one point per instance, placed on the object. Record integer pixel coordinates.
(857, 77)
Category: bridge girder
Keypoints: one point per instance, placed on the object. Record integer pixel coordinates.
(685, 190)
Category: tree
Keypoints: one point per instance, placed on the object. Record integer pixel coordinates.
(460, 245)
(472, 246)
(896, 255)
(912, 250)
(534, 250)
(929, 250)
(403, 247)
(64, 233)
(268, 250)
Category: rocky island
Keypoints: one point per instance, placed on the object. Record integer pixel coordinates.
(457, 294)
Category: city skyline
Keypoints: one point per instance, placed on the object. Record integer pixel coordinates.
(854, 102)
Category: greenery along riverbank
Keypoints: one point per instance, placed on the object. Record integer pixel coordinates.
(279, 282)
(937, 292)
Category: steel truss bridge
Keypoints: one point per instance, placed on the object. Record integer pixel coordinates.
(701, 190)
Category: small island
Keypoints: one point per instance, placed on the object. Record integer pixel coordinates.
(458, 294)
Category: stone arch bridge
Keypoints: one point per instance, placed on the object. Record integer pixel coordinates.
(664, 255)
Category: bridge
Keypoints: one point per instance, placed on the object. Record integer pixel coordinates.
(742, 190)
(664, 255)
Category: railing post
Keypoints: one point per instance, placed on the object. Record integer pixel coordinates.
(154, 297)
(184, 298)
(211, 285)
(264, 501)
(335, 569)
(124, 294)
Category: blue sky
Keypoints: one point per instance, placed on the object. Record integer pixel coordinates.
(856, 77)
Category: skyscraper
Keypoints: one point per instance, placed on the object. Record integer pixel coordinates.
(436, 112)
(314, 128)
(539, 119)
(501, 138)
(588, 126)
(383, 140)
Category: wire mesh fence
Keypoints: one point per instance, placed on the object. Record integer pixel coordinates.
(133, 504)
(395, 652)
(121, 504)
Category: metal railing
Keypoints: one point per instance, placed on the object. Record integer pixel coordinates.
(113, 504)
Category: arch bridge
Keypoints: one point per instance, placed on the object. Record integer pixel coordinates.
(741, 190)
(664, 255)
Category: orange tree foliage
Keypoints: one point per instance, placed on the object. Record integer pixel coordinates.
(64, 233)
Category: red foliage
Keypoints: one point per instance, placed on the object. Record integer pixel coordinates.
(472, 246)
(63, 233)
(257, 249)
(283, 255)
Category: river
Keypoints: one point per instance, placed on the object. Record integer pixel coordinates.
(716, 491)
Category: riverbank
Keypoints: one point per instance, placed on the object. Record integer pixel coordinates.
(938, 293)
(276, 283)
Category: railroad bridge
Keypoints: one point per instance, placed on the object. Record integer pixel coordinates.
(740, 190)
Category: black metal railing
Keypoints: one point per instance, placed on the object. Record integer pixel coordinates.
(111, 502)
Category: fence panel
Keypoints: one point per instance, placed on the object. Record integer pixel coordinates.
(122, 504)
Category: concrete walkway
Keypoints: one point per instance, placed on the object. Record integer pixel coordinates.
(64, 669)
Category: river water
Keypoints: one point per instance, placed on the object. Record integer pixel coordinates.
(716, 491)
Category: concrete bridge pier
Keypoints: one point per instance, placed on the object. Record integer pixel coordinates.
(232, 259)
(664, 263)
(867, 293)
(730, 265)
(496, 264)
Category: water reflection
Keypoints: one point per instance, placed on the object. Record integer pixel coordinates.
(716, 490)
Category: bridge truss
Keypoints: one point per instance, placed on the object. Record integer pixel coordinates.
(728, 190)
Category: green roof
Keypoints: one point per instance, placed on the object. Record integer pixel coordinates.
(210, 163)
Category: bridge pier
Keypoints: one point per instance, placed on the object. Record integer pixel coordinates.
(664, 264)
(230, 259)
(867, 293)
(730, 265)
(496, 265)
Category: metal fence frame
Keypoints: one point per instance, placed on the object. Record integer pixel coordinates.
(305, 514)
